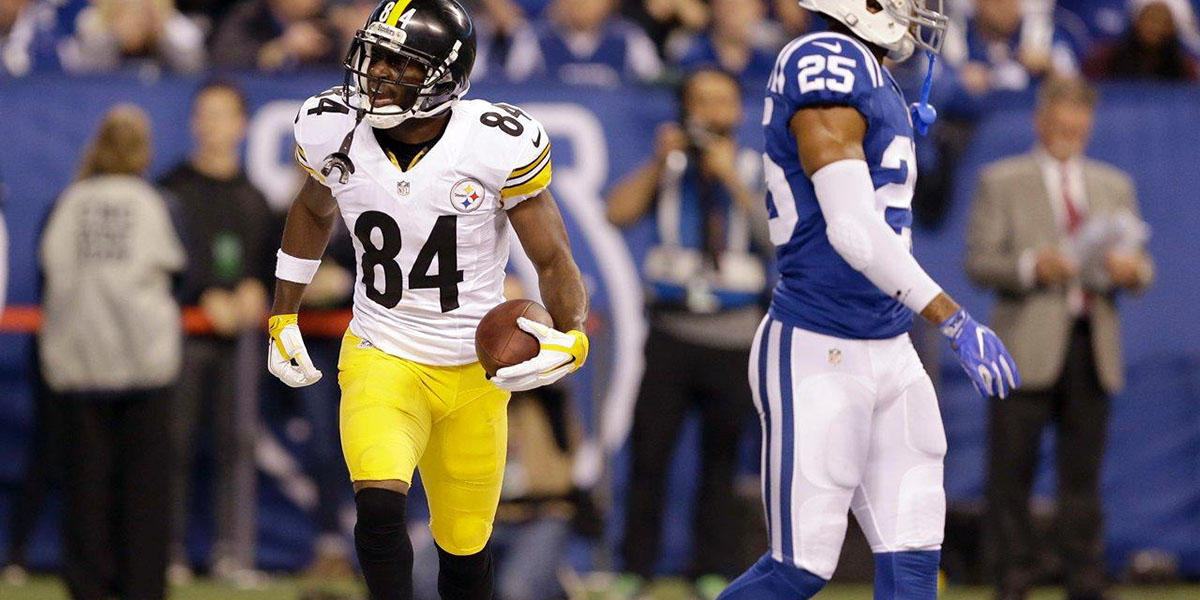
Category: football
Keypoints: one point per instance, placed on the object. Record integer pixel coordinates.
(500, 343)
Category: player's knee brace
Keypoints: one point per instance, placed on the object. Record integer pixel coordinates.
(385, 553)
(469, 577)
(770, 579)
(381, 531)
(911, 575)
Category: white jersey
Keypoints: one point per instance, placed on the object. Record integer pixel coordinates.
(431, 242)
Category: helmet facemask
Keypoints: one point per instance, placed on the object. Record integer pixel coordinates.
(926, 26)
(899, 26)
(433, 95)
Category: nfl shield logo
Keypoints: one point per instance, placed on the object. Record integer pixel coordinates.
(402, 188)
(835, 356)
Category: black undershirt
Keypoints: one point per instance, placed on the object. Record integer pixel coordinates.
(405, 153)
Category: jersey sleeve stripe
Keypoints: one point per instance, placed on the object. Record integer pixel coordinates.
(777, 78)
(540, 181)
(872, 63)
(528, 176)
(316, 175)
(518, 172)
(302, 160)
(531, 172)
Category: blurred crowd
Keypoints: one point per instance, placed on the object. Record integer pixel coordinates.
(995, 49)
(993, 45)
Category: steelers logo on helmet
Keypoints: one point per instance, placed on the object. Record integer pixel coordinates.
(412, 59)
(467, 195)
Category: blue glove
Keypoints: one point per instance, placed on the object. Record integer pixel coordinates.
(982, 355)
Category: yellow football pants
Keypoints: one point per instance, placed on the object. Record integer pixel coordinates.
(451, 422)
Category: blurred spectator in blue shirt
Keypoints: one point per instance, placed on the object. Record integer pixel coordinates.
(495, 23)
(732, 41)
(140, 34)
(1009, 49)
(274, 35)
(669, 23)
(1108, 21)
(29, 35)
(583, 43)
(1105, 20)
(1152, 49)
(705, 281)
(532, 9)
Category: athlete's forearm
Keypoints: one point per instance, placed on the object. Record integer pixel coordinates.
(540, 228)
(305, 236)
(562, 289)
(862, 238)
(942, 307)
(287, 297)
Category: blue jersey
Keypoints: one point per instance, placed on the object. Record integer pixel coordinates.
(817, 289)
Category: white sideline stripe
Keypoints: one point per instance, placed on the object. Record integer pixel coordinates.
(775, 409)
(275, 461)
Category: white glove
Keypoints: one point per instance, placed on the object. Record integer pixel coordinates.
(287, 358)
(561, 353)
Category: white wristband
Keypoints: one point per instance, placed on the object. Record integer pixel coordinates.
(295, 270)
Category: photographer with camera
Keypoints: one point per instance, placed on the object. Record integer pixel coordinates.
(705, 286)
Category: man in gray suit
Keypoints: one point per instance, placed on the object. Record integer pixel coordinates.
(1057, 236)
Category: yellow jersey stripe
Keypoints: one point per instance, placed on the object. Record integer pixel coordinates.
(543, 172)
(411, 164)
(540, 181)
(304, 165)
(397, 11)
(416, 158)
(529, 167)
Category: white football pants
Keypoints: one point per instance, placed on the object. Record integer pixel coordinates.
(848, 425)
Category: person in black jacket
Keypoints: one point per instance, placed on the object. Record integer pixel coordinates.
(227, 226)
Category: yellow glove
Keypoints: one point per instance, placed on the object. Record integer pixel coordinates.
(561, 353)
(287, 357)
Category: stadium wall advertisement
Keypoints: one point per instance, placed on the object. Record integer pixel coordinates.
(1152, 469)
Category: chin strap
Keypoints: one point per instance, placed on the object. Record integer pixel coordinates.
(923, 113)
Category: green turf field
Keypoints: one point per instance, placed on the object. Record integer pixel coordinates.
(286, 588)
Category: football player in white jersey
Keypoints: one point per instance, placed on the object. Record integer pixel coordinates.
(427, 184)
(850, 419)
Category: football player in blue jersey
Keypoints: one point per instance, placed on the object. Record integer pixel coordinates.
(850, 420)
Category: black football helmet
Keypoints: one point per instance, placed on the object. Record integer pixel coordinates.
(437, 35)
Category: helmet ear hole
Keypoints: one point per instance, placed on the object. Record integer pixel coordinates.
(874, 6)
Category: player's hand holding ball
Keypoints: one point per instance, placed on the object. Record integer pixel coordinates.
(520, 350)
(982, 355)
(287, 358)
